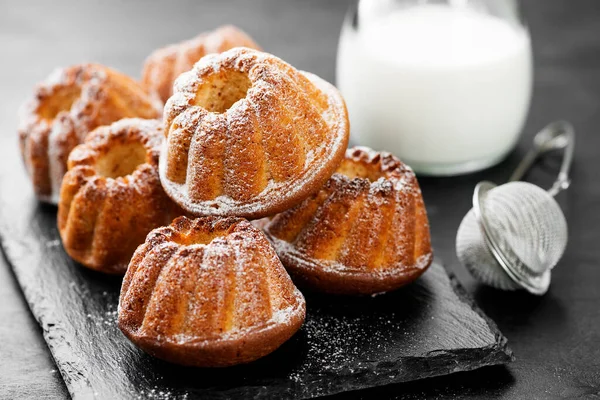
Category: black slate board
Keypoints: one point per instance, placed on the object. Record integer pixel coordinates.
(426, 329)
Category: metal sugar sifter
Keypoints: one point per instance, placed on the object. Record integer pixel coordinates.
(516, 233)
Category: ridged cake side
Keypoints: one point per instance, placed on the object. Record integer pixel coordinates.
(208, 292)
(164, 65)
(111, 196)
(365, 231)
(249, 135)
(67, 106)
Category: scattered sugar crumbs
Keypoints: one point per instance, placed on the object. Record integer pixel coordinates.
(109, 317)
(338, 346)
(159, 394)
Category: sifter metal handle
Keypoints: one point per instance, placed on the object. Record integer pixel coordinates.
(556, 135)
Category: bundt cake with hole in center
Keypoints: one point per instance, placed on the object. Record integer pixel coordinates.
(111, 196)
(249, 135)
(209, 292)
(164, 65)
(67, 106)
(364, 232)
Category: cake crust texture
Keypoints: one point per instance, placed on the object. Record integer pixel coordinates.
(365, 232)
(64, 109)
(208, 292)
(248, 135)
(164, 65)
(111, 196)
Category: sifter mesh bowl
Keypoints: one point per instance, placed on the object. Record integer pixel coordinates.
(475, 255)
(514, 235)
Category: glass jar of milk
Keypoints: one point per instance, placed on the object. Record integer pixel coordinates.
(443, 85)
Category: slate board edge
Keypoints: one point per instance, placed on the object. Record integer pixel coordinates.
(465, 297)
(501, 355)
(76, 383)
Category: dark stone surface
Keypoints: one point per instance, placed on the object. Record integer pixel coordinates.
(555, 337)
(427, 329)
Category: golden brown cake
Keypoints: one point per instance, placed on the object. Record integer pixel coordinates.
(365, 232)
(111, 196)
(208, 292)
(164, 65)
(67, 106)
(248, 135)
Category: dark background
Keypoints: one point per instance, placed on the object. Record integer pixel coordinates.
(556, 338)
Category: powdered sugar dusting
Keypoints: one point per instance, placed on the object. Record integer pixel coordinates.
(335, 343)
(172, 61)
(264, 71)
(42, 133)
(107, 319)
(288, 251)
(158, 393)
(368, 245)
(229, 259)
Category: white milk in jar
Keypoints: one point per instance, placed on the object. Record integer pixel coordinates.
(445, 89)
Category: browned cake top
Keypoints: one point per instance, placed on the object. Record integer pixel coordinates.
(377, 169)
(368, 218)
(80, 93)
(249, 135)
(68, 105)
(120, 151)
(164, 65)
(111, 196)
(203, 280)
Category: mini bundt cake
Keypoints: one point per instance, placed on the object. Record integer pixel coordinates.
(164, 65)
(248, 135)
(208, 292)
(111, 196)
(67, 106)
(365, 232)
